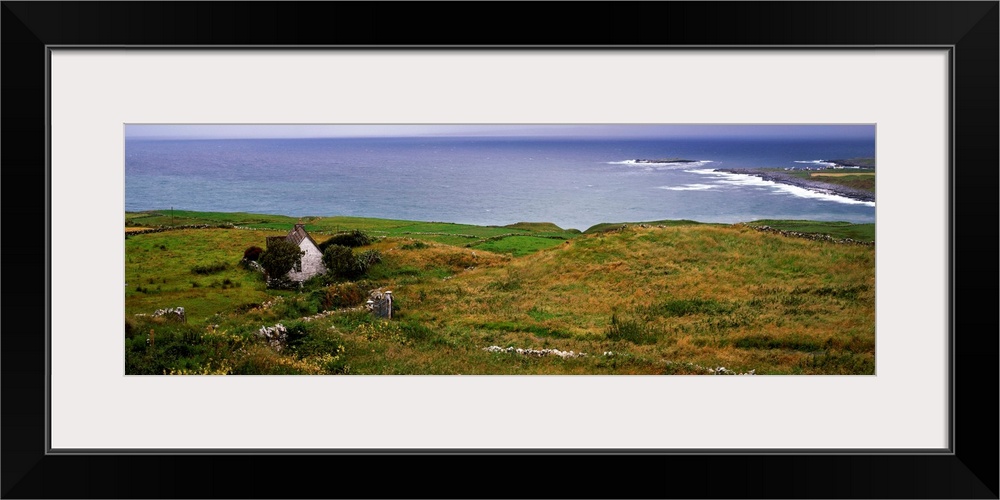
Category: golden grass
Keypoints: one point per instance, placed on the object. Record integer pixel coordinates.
(696, 297)
(773, 292)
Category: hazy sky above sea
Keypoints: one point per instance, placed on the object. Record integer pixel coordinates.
(616, 131)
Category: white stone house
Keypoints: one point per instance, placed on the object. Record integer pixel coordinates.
(311, 262)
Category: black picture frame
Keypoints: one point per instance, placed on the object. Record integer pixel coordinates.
(970, 29)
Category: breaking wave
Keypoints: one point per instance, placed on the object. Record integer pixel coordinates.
(817, 162)
(731, 179)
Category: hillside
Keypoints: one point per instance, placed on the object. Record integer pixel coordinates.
(655, 298)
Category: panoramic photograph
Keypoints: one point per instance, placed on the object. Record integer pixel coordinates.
(479, 249)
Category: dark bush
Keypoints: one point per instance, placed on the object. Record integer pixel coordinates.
(369, 258)
(297, 332)
(353, 239)
(252, 254)
(341, 262)
(279, 258)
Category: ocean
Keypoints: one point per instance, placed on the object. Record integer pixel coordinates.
(574, 183)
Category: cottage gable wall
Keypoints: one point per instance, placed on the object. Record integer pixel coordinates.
(312, 262)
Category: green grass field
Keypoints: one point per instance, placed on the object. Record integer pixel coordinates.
(661, 297)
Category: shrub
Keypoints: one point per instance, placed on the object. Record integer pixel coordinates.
(369, 258)
(279, 258)
(353, 239)
(297, 332)
(252, 254)
(340, 262)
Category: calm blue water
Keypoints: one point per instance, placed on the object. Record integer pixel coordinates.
(486, 181)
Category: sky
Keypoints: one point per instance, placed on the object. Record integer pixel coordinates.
(220, 131)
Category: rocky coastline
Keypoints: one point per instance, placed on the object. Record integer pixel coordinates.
(812, 185)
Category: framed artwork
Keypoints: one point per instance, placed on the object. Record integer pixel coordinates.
(871, 410)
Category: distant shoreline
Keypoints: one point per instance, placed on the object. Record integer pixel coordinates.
(812, 185)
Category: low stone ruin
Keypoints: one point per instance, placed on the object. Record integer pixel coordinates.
(171, 314)
(380, 304)
(276, 336)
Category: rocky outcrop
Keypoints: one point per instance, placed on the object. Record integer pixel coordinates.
(663, 160)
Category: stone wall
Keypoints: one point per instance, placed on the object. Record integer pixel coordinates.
(170, 314)
(812, 236)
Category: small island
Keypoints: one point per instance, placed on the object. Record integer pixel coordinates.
(663, 160)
